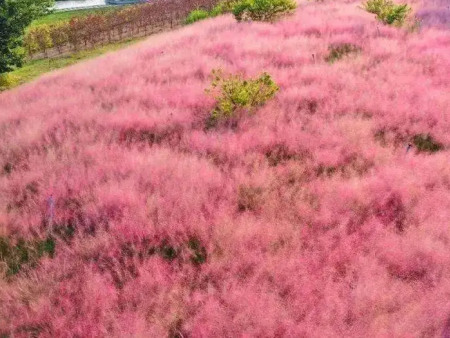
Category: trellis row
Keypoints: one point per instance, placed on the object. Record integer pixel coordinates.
(46, 41)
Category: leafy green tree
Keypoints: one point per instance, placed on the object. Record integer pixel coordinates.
(44, 39)
(15, 16)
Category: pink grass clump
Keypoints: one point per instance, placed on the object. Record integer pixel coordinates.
(312, 217)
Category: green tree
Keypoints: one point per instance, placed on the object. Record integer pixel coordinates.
(15, 16)
(44, 39)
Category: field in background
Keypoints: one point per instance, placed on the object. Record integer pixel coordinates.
(59, 16)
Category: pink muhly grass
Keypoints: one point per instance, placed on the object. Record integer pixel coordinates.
(309, 218)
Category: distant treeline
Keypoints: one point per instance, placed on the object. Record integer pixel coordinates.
(89, 31)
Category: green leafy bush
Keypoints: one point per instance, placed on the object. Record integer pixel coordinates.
(387, 11)
(196, 15)
(338, 51)
(6, 82)
(233, 94)
(224, 7)
(262, 10)
(426, 143)
(200, 14)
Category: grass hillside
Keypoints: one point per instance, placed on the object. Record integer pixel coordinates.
(324, 212)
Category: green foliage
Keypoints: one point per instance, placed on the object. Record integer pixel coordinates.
(217, 10)
(59, 35)
(196, 15)
(337, 52)
(46, 246)
(233, 93)
(38, 39)
(224, 7)
(6, 82)
(262, 10)
(221, 8)
(387, 11)
(30, 42)
(15, 256)
(15, 16)
(44, 39)
(426, 143)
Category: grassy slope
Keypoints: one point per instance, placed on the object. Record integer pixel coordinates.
(35, 68)
(309, 218)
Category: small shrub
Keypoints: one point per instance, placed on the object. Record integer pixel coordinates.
(196, 15)
(387, 11)
(234, 93)
(223, 7)
(262, 10)
(339, 51)
(6, 82)
(200, 14)
(426, 143)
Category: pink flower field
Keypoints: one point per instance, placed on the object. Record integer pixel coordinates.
(326, 213)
